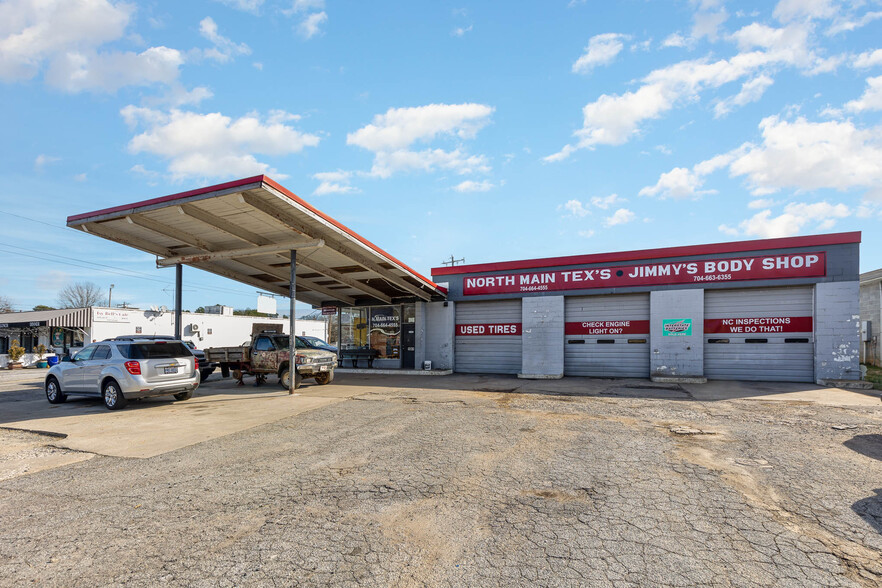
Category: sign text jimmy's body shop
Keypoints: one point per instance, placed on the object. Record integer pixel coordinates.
(766, 267)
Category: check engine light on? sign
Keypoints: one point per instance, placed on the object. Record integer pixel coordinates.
(765, 267)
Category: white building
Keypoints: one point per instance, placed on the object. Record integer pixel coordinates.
(66, 330)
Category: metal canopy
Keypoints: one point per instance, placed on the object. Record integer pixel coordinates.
(246, 230)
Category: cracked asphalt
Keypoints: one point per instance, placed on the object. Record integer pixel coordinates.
(471, 481)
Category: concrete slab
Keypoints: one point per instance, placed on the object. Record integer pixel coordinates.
(716, 390)
(155, 426)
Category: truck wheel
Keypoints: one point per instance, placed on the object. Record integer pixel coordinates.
(285, 379)
(225, 371)
(324, 378)
(205, 373)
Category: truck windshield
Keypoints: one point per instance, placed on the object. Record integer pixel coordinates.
(283, 341)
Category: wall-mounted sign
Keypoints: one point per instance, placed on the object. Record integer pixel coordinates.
(109, 315)
(764, 267)
(57, 337)
(768, 324)
(137, 330)
(494, 329)
(677, 327)
(329, 310)
(607, 328)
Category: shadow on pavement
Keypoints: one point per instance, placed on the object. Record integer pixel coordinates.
(870, 509)
(869, 445)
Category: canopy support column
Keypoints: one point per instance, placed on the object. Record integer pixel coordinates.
(292, 324)
(179, 278)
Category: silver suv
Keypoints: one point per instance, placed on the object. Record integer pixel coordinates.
(119, 371)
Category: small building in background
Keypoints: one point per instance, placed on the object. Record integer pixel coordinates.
(871, 317)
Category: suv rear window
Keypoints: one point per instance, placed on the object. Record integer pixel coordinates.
(154, 350)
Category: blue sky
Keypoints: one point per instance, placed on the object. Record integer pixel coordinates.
(484, 130)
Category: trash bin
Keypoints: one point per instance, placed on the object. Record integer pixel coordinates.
(52, 360)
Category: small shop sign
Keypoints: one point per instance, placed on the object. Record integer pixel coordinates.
(677, 327)
(329, 310)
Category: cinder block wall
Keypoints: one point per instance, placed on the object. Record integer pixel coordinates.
(676, 356)
(542, 337)
(419, 335)
(871, 310)
(837, 331)
(439, 330)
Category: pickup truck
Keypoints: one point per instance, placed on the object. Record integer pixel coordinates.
(268, 353)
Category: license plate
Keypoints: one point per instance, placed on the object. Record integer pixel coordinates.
(323, 368)
(172, 369)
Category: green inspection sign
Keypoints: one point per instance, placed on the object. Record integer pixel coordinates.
(677, 327)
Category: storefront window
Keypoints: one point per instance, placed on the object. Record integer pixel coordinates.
(385, 331)
(353, 328)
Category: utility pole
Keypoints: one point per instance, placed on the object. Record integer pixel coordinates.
(110, 296)
(452, 261)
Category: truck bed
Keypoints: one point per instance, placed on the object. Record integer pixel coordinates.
(227, 354)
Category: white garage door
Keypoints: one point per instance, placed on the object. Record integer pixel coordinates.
(607, 336)
(763, 334)
(488, 337)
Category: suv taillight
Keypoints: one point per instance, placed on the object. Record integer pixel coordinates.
(133, 367)
(196, 362)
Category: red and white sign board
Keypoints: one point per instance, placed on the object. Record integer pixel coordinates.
(495, 329)
(607, 328)
(329, 310)
(773, 324)
(763, 267)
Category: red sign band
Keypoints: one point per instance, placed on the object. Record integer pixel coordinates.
(764, 267)
(749, 325)
(494, 329)
(607, 328)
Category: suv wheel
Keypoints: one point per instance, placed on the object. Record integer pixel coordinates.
(113, 396)
(184, 395)
(53, 391)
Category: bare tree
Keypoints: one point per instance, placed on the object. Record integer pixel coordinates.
(5, 304)
(80, 295)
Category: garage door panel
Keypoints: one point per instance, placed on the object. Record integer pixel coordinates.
(617, 318)
(772, 360)
(488, 354)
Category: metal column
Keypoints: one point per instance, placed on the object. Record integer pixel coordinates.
(179, 278)
(292, 323)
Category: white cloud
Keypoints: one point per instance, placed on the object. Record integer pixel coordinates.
(311, 25)
(728, 230)
(252, 6)
(334, 183)
(587, 234)
(847, 24)
(680, 182)
(822, 215)
(212, 145)
(80, 177)
(63, 38)
(798, 155)
(472, 186)
(604, 202)
(751, 91)
(601, 50)
(461, 31)
(871, 98)
(390, 137)
(298, 6)
(791, 10)
(707, 23)
(224, 49)
(760, 203)
(619, 217)
(675, 40)
(867, 59)
(575, 208)
(42, 160)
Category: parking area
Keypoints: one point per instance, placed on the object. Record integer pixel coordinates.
(456, 480)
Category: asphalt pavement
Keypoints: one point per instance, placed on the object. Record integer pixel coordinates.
(447, 481)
